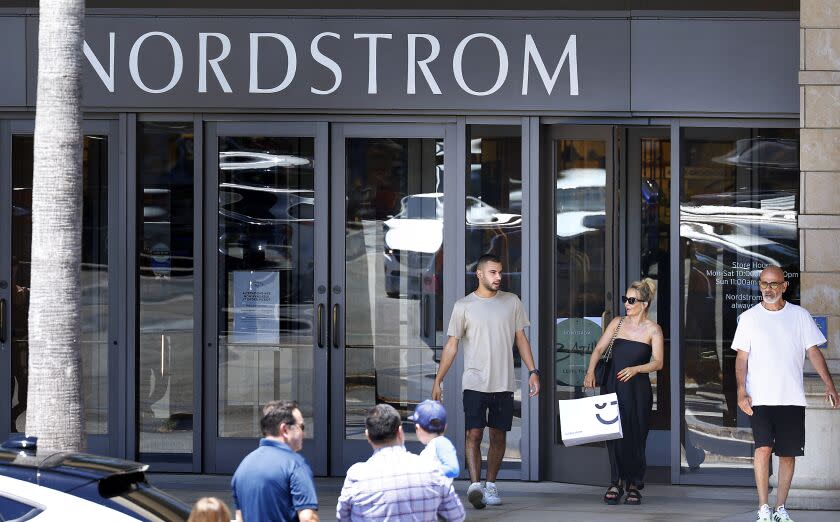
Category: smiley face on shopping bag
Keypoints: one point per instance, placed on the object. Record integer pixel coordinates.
(589, 419)
(613, 418)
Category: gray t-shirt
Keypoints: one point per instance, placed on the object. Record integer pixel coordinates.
(486, 328)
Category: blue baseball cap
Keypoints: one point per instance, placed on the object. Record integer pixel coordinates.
(430, 415)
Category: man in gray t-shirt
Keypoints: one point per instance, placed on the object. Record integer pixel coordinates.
(486, 323)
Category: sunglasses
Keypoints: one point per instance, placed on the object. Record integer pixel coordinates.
(775, 285)
(302, 426)
(631, 300)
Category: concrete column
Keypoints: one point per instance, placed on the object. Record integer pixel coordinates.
(816, 482)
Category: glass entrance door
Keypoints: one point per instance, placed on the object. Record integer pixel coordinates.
(581, 180)
(266, 329)
(101, 354)
(164, 270)
(648, 180)
(386, 315)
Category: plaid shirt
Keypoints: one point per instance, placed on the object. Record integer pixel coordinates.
(397, 485)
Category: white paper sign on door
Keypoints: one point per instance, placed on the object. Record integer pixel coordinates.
(256, 307)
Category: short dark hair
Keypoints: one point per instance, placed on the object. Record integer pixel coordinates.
(276, 413)
(382, 423)
(486, 258)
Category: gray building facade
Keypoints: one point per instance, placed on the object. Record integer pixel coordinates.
(287, 204)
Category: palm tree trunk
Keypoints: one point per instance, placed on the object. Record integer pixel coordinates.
(54, 412)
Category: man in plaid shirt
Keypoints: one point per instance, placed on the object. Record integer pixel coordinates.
(394, 484)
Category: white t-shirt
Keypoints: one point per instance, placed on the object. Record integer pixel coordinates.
(777, 342)
(486, 328)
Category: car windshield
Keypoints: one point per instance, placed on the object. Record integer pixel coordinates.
(13, 509)
(421, 207)
(256, 205)
(152, 504)
(581, 199)
(581, 190)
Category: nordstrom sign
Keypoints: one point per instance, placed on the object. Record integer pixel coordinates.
(532, 58)
(316, 63)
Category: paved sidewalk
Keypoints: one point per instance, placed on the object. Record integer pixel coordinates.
(543, 501)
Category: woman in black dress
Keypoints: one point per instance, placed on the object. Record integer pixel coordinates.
(638, 348)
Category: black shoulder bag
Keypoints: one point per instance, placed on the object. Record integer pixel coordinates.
(605, 362)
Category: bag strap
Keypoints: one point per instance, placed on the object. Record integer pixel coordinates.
(608, 354)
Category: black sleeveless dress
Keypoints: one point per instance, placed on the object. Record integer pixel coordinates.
(635, 401)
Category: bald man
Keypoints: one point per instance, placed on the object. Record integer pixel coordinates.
(772, 340)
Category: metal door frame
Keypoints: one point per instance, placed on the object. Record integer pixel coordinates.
(5, 276)
(659, 441)
(714, 477)
(113, 443)
(582, 464)
(344, 453)
(132, 223)
(528, 467)
(222, 455)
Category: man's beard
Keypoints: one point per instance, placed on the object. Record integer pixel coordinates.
(773, 301)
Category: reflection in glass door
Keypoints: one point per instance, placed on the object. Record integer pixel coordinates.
(166, 287)
(493, 225)
(95, 279)
(739, 207)
(95, 288)
(387, 268)
(270, 321)
(581, 161)
(648, 166)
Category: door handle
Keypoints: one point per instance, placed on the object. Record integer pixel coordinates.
(335, 326)
(2, 320)
(424, 316)
(320, 325)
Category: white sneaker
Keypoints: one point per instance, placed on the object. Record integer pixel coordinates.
(781, 515)
(475, 494)
(764, 514)
(491, 494)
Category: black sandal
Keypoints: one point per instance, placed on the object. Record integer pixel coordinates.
(634, 498)
(613, 495)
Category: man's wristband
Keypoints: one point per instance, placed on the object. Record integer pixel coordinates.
(534, 372)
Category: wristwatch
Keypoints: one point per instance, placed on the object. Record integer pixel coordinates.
(534, 372)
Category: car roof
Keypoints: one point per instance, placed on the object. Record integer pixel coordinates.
(83, 465)
(55, 504)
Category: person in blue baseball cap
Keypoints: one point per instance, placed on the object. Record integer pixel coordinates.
(430, 422)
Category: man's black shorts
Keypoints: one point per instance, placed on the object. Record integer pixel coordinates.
(781, 428)
(488, 409)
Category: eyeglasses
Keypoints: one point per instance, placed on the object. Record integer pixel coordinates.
(302, 426)
(631, 300)
(775, 285)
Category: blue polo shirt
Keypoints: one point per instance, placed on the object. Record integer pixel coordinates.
(272, 484)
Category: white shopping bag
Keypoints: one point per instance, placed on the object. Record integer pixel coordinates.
(590, 419)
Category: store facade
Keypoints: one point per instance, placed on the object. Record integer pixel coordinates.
(287, 205)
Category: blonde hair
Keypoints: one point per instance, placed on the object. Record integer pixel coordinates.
(209, 509)
(646, 290)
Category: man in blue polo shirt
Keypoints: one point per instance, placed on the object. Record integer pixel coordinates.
(273, 483)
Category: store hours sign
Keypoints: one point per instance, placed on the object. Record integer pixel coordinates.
(355, 63)
(738, 282)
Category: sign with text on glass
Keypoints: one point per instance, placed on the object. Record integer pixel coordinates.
(575, 338)
(738, 281)
(256, 307)
(822, 324)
